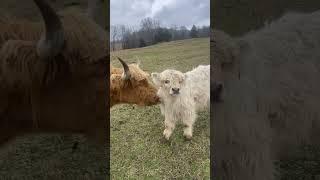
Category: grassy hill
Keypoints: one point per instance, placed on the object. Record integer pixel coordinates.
(138, 150)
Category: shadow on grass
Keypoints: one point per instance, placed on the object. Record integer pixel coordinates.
(303, 164)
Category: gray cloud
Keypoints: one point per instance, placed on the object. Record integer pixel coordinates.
(168, 12)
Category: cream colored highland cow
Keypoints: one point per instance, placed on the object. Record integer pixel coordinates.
(182, 95)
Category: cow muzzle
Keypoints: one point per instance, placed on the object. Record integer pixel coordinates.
(217, 92)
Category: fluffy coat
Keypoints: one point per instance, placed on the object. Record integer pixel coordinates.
(271, 95)
(182, 95)
(66, 93)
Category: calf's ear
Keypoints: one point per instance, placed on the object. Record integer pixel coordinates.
(184, 76)
(224, 48)
(155, 78)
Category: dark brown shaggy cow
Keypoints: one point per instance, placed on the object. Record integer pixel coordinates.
(53, 75)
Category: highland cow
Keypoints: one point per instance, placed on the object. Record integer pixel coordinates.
(270, 98)
(182, 95)
(131, 85)
(53, 75)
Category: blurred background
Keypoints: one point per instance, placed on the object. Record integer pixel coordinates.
(49, 156)
(237, 17)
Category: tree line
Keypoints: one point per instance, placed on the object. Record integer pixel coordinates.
(151, 32)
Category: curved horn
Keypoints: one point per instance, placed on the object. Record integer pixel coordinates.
(52, 41)
(127, 73)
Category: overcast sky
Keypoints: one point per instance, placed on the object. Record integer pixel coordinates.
(168, 12)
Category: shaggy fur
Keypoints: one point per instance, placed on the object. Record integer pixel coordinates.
(63, 94)
(85, 44)
(16, 29)
(182, 95)
(271, 95)
(138, 90)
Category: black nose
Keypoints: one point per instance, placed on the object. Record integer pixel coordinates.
(219, 87)
(217, 91)
(175, 90)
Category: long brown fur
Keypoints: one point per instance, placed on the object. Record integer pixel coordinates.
(138, 90)
(86, 43)
(64, 94)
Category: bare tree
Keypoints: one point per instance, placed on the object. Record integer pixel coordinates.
(127, 37)
(148, 29)
(122, 31)
(114, 36)
(173, 30)
(151, 32)
(194, 32)
(184, 32)
(204, 31)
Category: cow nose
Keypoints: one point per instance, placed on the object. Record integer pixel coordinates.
(175, 90)
(157, 98)
(217, 91)
(219, 87)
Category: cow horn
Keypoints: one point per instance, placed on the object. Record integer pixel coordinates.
(127, 73)
(52, 41)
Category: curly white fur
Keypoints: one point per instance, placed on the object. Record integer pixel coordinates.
(182, 95)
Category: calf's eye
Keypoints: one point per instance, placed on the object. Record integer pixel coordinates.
(166, 81)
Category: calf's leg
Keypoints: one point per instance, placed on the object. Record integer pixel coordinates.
(188, 120)
(169, 127)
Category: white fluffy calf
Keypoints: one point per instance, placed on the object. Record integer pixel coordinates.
(182, 95)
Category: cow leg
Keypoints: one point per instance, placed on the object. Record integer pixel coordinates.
(162, 108)
(169, 127)
(188, 120)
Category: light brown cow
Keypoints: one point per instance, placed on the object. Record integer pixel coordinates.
(131, 85)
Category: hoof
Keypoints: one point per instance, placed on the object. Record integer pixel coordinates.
(187, 136)
(167, 134)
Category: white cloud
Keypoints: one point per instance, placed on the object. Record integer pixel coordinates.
(168, 12)
(158, 6)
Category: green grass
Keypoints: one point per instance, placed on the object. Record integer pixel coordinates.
(138, 150)
(303, 163)
(181, 55)
(50, 156)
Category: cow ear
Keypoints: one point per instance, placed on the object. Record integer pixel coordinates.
(184, 76)
(233, 52)
(224, 48)
(156, 78)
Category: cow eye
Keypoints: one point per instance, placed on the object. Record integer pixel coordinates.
(166, 81)
(143, 81)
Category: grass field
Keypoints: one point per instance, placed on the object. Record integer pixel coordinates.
(138, 150)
